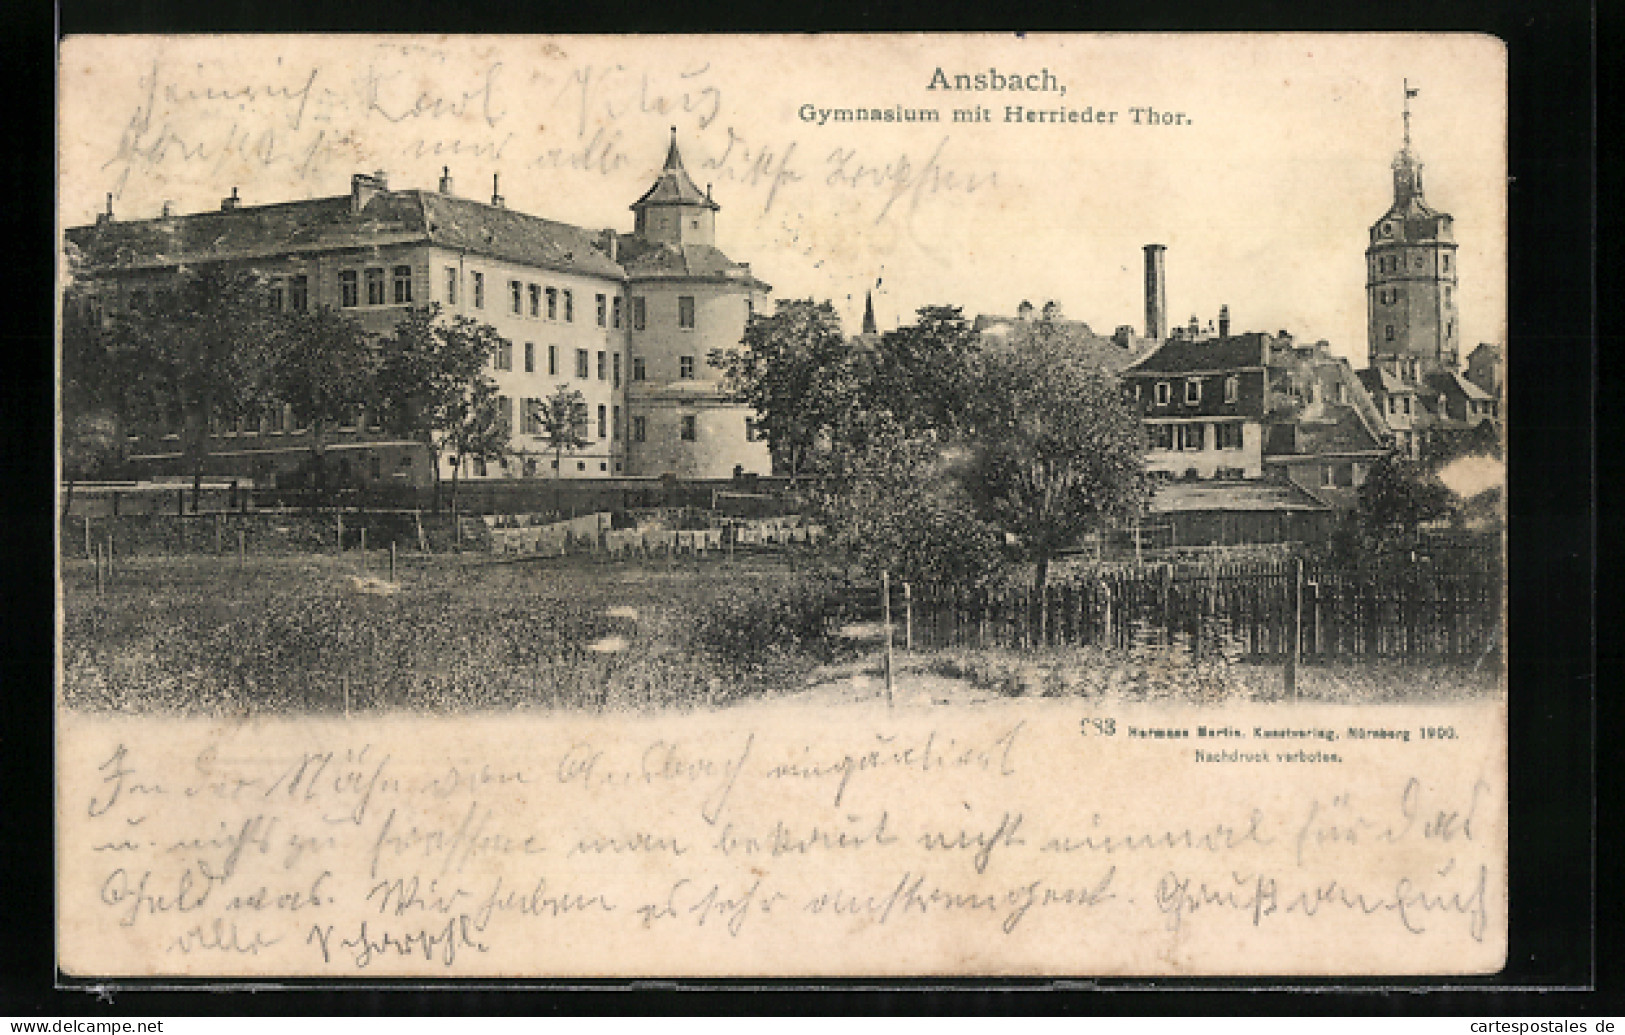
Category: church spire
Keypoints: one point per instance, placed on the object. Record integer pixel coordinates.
(869, 326)
(674, 160)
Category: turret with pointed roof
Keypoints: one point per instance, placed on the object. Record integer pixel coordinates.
(673, 210)
(869, 313)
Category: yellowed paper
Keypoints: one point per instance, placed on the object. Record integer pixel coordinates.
(839, 827)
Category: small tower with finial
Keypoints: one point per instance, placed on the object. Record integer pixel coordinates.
(674, 211)
(869, 326)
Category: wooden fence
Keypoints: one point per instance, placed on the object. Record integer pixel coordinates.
(1250, 610)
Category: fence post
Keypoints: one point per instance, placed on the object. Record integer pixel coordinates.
(217, 535)
(417, 517)
(87, 533)
(908, 617)
(98, 562)
(392, 560)
(885, 610)
(242, 549)
(363, 549)
(109, 555)
(339, 516)
(1297, 628)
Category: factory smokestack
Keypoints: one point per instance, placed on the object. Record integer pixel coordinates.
(1156, 293)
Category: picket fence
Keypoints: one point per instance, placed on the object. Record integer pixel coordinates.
(1247, 610)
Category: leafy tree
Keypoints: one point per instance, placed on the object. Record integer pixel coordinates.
(427, 371)
(477, 430)
(903, 508)
(923, 374)
(1398, 496)
(795, 370)
(562, 422)
(1057, 450)
(194, 355)
(321, 365)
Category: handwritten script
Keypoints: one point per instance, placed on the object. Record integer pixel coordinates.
(764, 840)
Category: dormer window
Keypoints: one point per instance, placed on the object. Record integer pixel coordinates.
(1232, 388)
(1193, 391)
(1163, 393)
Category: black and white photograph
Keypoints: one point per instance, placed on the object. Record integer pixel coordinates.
(782, 506)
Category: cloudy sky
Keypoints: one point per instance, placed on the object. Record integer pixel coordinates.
(1263, 189)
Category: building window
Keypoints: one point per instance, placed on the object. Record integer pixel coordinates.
(552, 303)
(503, 360)
(1342, 394)
(516, 297)
(685, 311)
(637, 368)
(479, 290)
(138, 299)
(530, 357)
(615, 424)
(299, 293)
(1232, 388)
(1164, 393)
(505, 414)
(603, 310)
(375, 286)
(349, 296)
(1162, 436)
(640, 313)
(1388, 333)
(569, 306)
(535, 300)
(688, 429)
(1446, 258)
(685, 367)
(750, 429)
(403, 285)
(552, 361)
(1407, 404)
(616, 365)
(1227, 436)
(640, 429)
(451, 285)
(603, 421)
(603, 372)
(1193, 391)
(1188, 437)
(581, 364)
(616, 303)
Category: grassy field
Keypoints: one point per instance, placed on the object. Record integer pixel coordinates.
(308, 633)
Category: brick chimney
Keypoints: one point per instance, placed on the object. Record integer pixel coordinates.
(1156, 293)
(445, 179)
(363, 188)
(106, 216)
(496, 192)
(1224, 321)
(227, 204)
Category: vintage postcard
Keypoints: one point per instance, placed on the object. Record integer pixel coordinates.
(872, 505)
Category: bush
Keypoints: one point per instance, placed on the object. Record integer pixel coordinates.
(771, 633)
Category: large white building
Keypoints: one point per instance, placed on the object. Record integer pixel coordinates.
(626, 320)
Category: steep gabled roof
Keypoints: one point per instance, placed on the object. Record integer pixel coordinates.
(673, 186)
(1241, 351)
(643, 258)
(330, 224)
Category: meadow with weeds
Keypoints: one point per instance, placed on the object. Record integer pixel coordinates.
(312, 633)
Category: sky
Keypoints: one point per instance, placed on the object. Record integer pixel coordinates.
(1268, 165)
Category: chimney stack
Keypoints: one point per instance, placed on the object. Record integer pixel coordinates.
(496, 192)
(1224, 321)
(107, 216)
(227, 204)
(364, 187)
(168, 209)
(1156, 293)
(445, 179)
